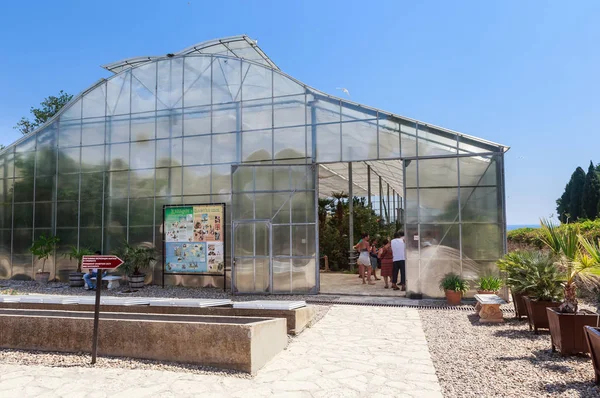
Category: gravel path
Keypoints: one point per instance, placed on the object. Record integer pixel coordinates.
(501, 360)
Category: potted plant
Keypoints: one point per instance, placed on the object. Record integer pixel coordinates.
(135, 260)
(76, 277)
(514, 266)
(578, 260)
(454, 286)
(42, 248)
(592, 335)
(489, 285)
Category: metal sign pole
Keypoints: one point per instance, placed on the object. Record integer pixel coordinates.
(96, 315)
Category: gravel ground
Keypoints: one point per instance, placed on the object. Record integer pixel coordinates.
(501, 360)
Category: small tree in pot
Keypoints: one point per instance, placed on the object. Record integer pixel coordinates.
(454, 287)
(515, 267)
(76, 278)
(135, 260)
(43, 248)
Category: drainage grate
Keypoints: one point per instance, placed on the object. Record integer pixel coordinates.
(415, 306)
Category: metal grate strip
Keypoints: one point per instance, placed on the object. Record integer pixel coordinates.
(415, 306)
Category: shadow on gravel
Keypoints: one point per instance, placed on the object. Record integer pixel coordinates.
(521, 334)
(549, 360)
(474, 319)
(582, 388)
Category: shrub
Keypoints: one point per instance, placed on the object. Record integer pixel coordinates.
(489, 283)
(452, 281)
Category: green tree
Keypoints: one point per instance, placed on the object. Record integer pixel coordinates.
(576, 195)
(562, 204)
(591, 193)
(48, 108)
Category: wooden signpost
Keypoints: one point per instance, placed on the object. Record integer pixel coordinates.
(100, 263)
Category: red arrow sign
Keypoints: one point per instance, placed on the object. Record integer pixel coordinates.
(101, 262)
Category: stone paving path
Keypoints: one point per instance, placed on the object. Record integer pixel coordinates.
(353, 351)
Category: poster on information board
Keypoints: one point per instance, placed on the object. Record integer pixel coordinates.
(194, 239)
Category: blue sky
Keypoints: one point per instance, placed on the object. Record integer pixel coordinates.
(524, 74)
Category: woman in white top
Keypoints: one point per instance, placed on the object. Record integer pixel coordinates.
(364, 259)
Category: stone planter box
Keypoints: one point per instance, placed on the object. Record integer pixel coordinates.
(296, 320)
(243, 344)
(567, 331)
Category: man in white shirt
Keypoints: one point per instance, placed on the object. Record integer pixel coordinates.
(399, 253)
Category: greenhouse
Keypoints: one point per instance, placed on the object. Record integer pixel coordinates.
(219, 123)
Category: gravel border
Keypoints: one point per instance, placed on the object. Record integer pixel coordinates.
(501, 360)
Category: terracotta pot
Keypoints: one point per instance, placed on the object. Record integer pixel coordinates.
(519, 303)
(592, 335)
(42, 277)
(537, 314)
(76, 279)
(136, 281)
(453, 298)
(566, 330)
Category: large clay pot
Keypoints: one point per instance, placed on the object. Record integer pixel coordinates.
(566, 330)
(136, 281)
(537, 314)
(593, 340)
(453, 298)
(520, 306)
(76, 279)
(42, 277)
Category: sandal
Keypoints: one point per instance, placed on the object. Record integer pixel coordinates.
(386, 287)
(395, 287)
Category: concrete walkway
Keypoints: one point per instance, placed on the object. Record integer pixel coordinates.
(354, 351)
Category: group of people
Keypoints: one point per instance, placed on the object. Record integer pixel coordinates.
(389, 255)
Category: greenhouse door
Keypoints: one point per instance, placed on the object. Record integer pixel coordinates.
(274, 229)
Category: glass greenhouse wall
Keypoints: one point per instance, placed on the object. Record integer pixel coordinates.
(210, 126)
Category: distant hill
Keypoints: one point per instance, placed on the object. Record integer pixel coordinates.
(517, 226)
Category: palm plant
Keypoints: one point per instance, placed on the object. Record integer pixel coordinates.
(454, 282)
(577, 260)
(77, 254)
(43, 247)
(135, 258)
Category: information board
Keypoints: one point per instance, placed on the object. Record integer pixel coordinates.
(194, 241)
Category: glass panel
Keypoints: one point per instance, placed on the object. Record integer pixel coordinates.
(225, 118)
(118, 94)
(351, 113)
(389, 138)
(303, 240)
(23, 217)
(68, 160)
(24, 163)
(303, 208)
(467, 145)
(116, 212)
(482, 242)
(44, 215)
(46, 162)
(92, 158)
(282, 274)
(224, 148)
(44, 189)
(68, 238)
(196, 84)
(94, 102)
(438, 172)
(359, 140)
(117, 129)
(197, 180)
(169, 152)
(243, 206)
(257, 115)
(93, 131)
(435, 142)
(91, 213)
(328, 143)
(27, 145)
(66, 214)
(303, 275)
(22, 240)
(47, 137)
(68, 187)
(244, 245)
(197, 121)
(197, 150)
(168, 182)
(6, 216)
(281, 240)
(23, 190)
(243, 179)
(141, 235)
(118, 184)
(289, 111)
(285, 86)
(118, 156)
(480, 204)
(221, 179)
(226, 75)
(408, 139)
(256, 145)
(142, 183)
(143, 88)
(69, 133)
(256, 82)
(411, 206)
(169, 123)
(141, 211)
(326, 110)
(114, 238)
(72, 111)
(143, 126)
(90, 238)
(281, 208)
(264, 178)
(477, 170)
(142, 154)
(438, 205)
(170, 83)
(290, 143)
(92, 185)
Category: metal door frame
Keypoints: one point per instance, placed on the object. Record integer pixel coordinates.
(269, 225)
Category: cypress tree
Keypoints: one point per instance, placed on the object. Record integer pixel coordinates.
(562, 204)
(591, 193)
(576, 198)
